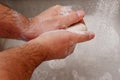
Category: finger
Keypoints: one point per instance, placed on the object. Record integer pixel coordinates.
(72, 18)
(82, 36)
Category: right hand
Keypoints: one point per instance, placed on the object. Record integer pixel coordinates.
(60, 43)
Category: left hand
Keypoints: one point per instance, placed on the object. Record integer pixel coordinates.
(51, 19)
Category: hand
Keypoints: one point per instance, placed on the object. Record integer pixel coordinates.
(60, 43)
(51, 19)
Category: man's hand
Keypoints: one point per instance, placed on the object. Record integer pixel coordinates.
(52, 19)
(61, 43)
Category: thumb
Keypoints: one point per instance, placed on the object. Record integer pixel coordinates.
(81, 36)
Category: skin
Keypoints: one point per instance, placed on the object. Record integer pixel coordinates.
(43, 43)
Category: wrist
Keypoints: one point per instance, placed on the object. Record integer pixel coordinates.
(25, 28)
(35, 52)
(32, 30)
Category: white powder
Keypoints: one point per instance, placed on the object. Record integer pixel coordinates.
(78, 28)
(107, 8)
(57, 64)
(66, 10)
(77, 76)
(106, 76)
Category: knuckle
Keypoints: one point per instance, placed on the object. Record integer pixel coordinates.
(75, 17)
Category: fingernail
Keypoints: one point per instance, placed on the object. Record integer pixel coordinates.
(91, 35)
(80, 13)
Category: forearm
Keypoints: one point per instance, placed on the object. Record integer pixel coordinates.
(11, 23)
(18, 63)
